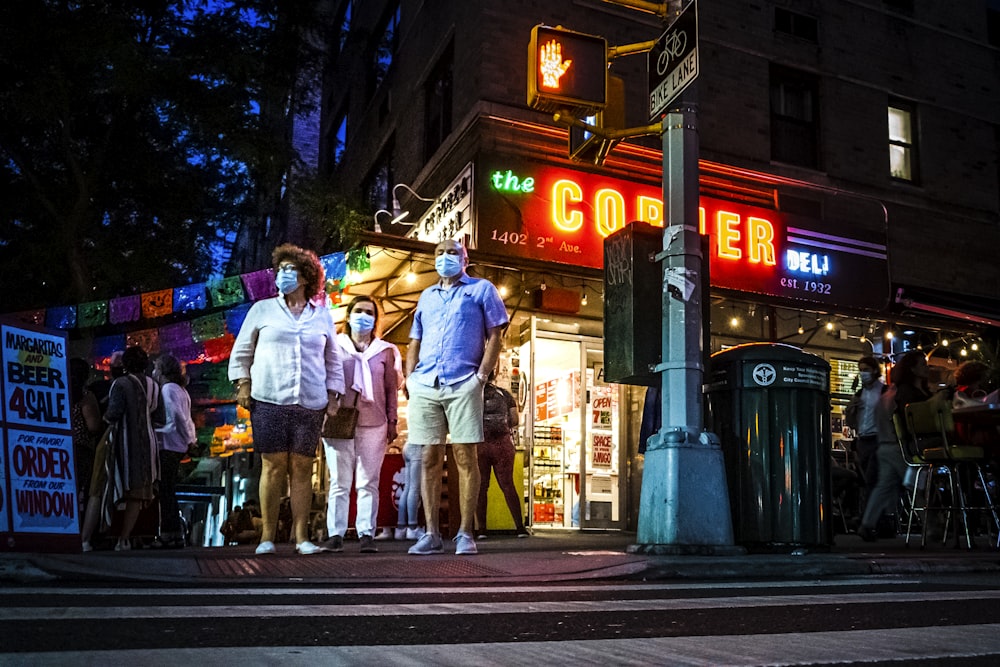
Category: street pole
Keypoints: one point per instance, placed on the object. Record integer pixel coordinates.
(684, 502)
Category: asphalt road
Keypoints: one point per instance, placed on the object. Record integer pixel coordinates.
(940, 620)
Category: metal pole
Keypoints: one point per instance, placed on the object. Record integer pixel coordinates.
(684, 502)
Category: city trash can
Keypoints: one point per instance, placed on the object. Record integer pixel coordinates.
(769, 403)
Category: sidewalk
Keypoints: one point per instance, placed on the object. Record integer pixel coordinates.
(545, 557)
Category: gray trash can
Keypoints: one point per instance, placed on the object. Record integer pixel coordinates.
(769, 404)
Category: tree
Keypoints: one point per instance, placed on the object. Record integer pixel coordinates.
(134, 136)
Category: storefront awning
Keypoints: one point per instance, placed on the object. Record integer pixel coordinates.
(981, 311)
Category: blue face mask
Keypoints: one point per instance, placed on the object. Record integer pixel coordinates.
(362, 322)
(448, 266)
(287, 281)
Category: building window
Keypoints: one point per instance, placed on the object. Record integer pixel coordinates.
(795, 24)
(902, 142)
(378, 185)
(794, 117)
(993, 22)
(385, 48)
(437, 101)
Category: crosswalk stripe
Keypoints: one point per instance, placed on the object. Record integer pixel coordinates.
(900, 644)
(472, 608)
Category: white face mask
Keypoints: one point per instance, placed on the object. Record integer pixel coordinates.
(362, 322)
(448, 266)
(287, 281)
(867, 376)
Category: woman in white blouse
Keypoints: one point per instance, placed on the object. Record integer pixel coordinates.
(372, 368)
(287, 371)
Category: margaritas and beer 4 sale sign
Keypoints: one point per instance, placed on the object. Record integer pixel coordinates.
(38, 497)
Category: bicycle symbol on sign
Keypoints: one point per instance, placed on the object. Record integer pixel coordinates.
(673, 48)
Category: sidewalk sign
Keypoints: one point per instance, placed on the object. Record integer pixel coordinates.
(38, 495)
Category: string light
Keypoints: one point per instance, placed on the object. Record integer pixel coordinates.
(801, 330)
(583, 299)
(734, 321)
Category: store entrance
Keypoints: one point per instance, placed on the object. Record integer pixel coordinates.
(573, 428)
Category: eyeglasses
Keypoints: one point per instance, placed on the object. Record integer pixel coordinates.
(287, 267)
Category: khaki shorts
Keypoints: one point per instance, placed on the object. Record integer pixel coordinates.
(435, 412)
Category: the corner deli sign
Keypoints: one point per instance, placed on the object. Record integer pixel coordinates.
(673, 61)
(561, 215)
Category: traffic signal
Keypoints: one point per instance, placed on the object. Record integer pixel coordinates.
(585, 146)
(567, 71)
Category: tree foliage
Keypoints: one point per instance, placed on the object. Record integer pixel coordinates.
(135, 135)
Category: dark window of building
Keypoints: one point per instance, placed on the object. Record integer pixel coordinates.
(899, 5)
(378, 185)
(794, 117)
(437, 101)
(795, 24)
(809, 208)
(993, 23)
(902, 141)
(385, 48)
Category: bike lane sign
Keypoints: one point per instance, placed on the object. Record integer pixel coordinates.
(673, 61)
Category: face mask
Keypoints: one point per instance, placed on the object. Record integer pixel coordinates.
(287, 281)
(362, 322)
(448, 266)
(867, 376)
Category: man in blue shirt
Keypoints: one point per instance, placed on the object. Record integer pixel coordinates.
(454, 344)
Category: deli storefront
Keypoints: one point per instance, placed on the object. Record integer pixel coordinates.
(537, 229)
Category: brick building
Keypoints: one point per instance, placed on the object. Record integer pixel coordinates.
(876, 123)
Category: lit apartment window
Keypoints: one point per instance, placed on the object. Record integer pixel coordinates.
(902, 146)
(794, 117)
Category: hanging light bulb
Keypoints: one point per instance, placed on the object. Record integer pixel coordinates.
(411, 277)
(801, 330)
(944, 342)
(503, 291)
(583, 299)
(734, 320)
(829, 325)
(963, 352)
(889, 335)
(975, 347)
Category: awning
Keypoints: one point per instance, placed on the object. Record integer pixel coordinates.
(978, 310)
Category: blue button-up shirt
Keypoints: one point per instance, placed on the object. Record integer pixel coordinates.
(451, 325)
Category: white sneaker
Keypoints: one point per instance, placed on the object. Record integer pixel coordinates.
(400, 533)
(86, 547)
(415, 533)
(465, 545)
(428, 544)
(384, 534)
(265, 549)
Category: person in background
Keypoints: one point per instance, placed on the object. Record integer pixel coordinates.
(970, 383)
(909, 385)
(371, 374)
(129, 465)
(862, 416)
(176, 437)
(85, 417)
(102, 386)
(454, 343)
(286, 368)
(408, 518)
(496, 454)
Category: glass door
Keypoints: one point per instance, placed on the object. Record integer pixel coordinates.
(573, 427)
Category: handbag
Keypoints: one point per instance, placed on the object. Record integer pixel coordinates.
(343, 424)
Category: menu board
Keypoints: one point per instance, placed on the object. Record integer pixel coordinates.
(843, 376)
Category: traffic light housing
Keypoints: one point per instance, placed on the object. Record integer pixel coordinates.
(585, 146)
(567, 71)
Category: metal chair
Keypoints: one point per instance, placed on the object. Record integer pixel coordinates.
(932, 430)
(924, 464)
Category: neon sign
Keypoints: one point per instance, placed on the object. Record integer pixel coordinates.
(563, 215)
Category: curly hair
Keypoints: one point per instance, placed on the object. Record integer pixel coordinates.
(308, 264)
(971, 372)
(362, 298)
